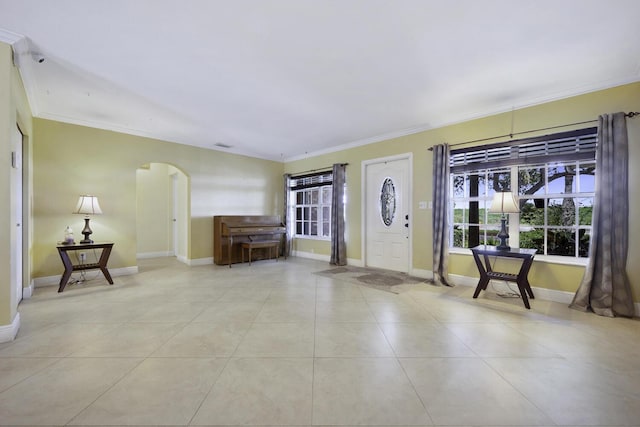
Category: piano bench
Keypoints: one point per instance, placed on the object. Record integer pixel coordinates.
(268, 244)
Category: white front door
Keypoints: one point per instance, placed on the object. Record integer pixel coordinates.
(387, 207)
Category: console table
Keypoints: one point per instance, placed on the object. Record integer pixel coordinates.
(69, 267)
(487, 273)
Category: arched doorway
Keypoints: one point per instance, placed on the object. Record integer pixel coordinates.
(162, 212)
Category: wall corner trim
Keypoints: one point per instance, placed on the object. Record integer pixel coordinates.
(9, 332)
(196, 261)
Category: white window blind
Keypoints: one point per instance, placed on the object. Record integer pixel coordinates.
(320, 179)
(572, 145)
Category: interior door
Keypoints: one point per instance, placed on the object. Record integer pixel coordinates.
(387, 207)
(174, 214)
(16, 214)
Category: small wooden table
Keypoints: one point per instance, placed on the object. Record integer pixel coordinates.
(487, 273)
(69, 267)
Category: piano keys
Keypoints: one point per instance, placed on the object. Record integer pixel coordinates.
(229, 231)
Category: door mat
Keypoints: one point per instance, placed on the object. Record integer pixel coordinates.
(386, 280)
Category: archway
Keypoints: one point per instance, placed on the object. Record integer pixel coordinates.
(162, 212)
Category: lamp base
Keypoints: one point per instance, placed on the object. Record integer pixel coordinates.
(503, 247)
(86, 232)
(503, 236)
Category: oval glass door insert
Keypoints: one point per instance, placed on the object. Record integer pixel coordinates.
(388, 202)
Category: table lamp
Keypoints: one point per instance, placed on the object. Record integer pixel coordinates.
(503, 203)
(87, 205)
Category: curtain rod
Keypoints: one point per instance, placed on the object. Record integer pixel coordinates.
(631, 115)
(328, 168)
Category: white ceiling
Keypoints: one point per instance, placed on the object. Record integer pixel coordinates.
(283, 79)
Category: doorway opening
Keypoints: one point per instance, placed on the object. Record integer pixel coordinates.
(162, 212)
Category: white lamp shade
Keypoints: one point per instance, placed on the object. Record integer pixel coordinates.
(88, 205)
(504, 203)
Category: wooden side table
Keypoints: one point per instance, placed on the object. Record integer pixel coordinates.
(487, 273)
(69, 267)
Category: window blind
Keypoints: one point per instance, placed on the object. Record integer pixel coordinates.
(572, 145)
(311, 180)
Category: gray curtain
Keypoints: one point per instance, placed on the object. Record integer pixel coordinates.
(605, 287)
(440, 216)
(286, 220)
(338, 245)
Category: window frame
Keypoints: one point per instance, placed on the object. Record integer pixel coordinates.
(573, 148)
(304, 186)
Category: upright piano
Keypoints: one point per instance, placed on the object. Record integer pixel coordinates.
(230, 231)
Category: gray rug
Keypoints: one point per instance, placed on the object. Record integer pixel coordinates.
(386, 280)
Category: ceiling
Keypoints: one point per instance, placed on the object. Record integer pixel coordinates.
(286, 79)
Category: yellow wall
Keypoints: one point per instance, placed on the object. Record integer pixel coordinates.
(70, 160)
(543, 274)
(14, 109)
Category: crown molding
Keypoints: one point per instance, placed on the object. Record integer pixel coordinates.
(569, 93)
(20, 46)
(111, 127)
(9, 37)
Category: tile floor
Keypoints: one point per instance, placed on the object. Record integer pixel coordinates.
(274, 344)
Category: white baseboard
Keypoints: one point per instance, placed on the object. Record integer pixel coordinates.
(423, 274)
(563, 297)
(311, 255)
(183, 259)
(325, 258)
(9, 332)
(124, 271)
(28, 291)
(457, 279)
(55, 280)
(546, 294)
(354, 262)
(197, 261)
(147, 255)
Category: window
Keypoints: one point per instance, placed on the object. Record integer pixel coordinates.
(311, 195)
(553, 179)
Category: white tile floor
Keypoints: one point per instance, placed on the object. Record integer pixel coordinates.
(275, 344)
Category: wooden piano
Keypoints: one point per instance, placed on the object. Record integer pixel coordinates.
(230, 231)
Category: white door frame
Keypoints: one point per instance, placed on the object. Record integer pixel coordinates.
(363, 206)
(174, 214)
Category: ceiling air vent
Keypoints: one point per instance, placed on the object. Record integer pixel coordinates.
(221, 145)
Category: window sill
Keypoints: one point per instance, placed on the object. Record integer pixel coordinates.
(550, 259)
